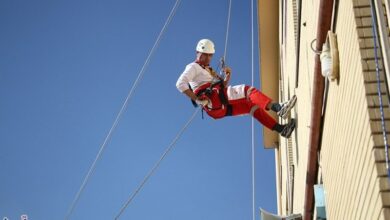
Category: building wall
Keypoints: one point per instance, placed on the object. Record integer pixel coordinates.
(297, 146)
(352, 151)
(353, 177)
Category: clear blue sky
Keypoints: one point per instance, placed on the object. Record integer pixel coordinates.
(65, 70)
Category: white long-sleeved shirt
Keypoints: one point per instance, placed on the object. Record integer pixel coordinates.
(194, 75)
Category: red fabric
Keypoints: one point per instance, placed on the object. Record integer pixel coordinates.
(241, 106)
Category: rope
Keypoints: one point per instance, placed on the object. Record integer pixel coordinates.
(227, 30)
(374, 30)
(169, 148)
(252, 122)
(122, 110)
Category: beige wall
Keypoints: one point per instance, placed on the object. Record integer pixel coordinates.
(269, 58)
(298, 146)
(352, 177)
(352, 155)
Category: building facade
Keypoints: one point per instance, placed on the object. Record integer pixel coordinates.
(339, 142)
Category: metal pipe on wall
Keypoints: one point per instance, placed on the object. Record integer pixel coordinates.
(323, 25)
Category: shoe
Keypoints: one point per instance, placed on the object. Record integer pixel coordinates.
(286, 107)
(288, 129)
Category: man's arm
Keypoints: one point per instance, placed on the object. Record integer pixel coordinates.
(190, 94)
(199, 101)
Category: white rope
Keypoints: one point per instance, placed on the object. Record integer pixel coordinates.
(253, 124)
(123, 108)
(169, 148)
(227, 30)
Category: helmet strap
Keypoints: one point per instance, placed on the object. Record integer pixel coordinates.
(198, 61)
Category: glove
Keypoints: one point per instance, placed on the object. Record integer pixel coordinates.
(227, 72)
(202, 102)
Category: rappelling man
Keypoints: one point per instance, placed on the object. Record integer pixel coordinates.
(212, 92)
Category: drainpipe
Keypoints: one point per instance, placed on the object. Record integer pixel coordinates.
(323, 25)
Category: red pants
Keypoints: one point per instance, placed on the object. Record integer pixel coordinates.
(254, 103)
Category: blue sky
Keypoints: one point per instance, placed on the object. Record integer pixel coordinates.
(66, 68)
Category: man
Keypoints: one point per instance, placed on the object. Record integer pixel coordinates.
(208, 89)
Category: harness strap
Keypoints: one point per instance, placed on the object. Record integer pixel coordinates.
(221, 94)
(210, 70)
(229, 110)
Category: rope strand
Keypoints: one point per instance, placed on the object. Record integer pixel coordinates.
(169, 148)
(252, 122)
(227, 30)
(122, 110)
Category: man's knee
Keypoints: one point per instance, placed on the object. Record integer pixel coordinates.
(249, 90)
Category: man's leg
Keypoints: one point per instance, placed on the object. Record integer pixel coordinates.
(264, 118)
(243, 106)
(258, 98)
(266, 103)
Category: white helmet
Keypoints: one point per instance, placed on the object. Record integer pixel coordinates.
(205, 46)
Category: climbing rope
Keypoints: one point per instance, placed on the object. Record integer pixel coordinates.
(122, 110)
(384, 132)
(252, 121)
(227, 30)
(222, 62)
(169, 148)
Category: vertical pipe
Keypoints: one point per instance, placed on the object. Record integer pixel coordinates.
(323, 25)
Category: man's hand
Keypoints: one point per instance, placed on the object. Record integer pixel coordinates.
(227, 72)
(202, 102)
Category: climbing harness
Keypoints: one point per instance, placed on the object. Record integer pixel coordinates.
(206, 91)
